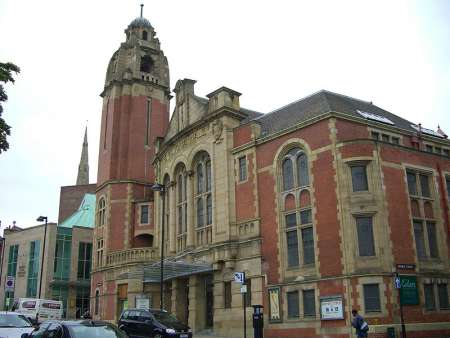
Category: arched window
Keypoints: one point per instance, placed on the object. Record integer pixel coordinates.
(295, 161)
(288, 176)
(101, 212)
(302, 170)
(297, 214)
(209, 210)
(144, 35)
(203, 198)
(97, 302)
(181, 201)
(200, 213)
(166, 184)
(200, 178)
(146, 64)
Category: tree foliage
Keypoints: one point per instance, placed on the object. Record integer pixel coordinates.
(6, 75)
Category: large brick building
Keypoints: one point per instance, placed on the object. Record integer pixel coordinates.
(320, 203)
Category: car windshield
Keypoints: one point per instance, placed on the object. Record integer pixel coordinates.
(105, 331)
(13, 320)
(165, 317)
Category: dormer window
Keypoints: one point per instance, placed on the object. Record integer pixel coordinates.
(146, 64)
(144, 35)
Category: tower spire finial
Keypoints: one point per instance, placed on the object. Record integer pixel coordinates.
(142, 9)
(83, 167)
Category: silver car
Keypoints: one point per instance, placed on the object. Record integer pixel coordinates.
(13, 325)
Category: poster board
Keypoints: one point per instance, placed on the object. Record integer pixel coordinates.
(274, 305)
(331, 308)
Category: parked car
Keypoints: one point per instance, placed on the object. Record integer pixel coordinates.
(76, 329)
(152, 323)
(39, 310)
(13, 325)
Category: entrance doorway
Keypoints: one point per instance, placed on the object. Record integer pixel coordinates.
(209, 298)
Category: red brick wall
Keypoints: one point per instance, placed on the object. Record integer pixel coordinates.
(242, 135)
(347, 130)
(70, 199)
(126, 155)
(316, 136)
(269, 226)
(327, 224)
(245, 199)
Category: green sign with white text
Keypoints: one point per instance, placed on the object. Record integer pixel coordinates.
(408, 290)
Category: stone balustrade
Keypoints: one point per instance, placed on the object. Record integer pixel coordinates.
(131, 256)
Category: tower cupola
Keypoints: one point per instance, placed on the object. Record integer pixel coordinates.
(135, 105)
(139, 58)
(140, 29)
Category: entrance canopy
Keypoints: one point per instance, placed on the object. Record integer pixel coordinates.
(151, 273)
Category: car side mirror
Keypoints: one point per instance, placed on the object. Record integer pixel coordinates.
(148, 321)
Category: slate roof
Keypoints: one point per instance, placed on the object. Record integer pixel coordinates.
(84, 216)
(320, 103)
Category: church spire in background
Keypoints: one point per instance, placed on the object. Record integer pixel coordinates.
(83, 167)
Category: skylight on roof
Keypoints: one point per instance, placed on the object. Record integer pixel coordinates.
(427, 131)
(375, 117)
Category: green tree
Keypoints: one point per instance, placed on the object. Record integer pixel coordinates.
(6, 70)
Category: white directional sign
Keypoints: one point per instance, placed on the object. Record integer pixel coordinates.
(239, 277)
(398, 284)
(10, 283)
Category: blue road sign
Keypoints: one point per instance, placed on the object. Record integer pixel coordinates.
(397, 282)
(239, 277)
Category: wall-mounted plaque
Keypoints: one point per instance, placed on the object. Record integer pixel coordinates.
(274, 305)
(331, 308)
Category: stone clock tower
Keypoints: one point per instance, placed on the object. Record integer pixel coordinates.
(135, 112)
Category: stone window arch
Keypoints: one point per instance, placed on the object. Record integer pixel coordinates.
(295, 201)
(295, 170)
(101, 212)
(203, 202)
(181, 203)
(144, 35)
(146, 64)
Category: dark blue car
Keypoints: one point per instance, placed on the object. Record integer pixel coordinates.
(152, 323)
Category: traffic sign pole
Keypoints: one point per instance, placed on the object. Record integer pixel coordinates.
(401, 305)
(245, 315)
(239, 277)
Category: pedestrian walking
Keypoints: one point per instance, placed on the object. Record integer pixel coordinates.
(361, 326)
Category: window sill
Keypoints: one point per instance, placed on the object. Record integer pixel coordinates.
(427, 198)
(427, 260)
(301, 267)
(300, 319)
(242, 182)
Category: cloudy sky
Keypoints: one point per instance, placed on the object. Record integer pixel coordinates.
(394, 53)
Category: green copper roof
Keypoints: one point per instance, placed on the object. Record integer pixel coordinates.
(84, 216)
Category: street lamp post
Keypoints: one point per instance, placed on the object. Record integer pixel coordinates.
(42, 219)
(162, 190)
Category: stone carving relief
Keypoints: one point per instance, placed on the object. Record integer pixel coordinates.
(181, 145)
(217, 128)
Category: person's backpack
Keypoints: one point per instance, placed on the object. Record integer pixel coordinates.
(364, 326)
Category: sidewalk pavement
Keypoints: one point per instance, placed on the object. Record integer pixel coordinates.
(211, 334)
